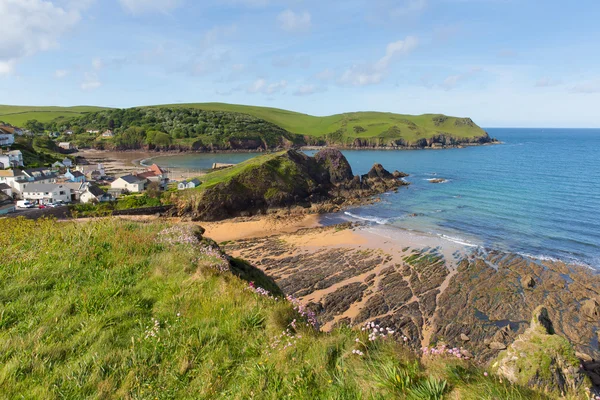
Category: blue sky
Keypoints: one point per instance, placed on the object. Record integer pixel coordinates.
(501, 62)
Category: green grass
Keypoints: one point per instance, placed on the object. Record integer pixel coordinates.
(377, 128)
(113, 309)
(18, 115)
(412, 127)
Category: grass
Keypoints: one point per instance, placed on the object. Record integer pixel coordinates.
(374, 124)
(18, 115)
(376, 128)
(114, 309)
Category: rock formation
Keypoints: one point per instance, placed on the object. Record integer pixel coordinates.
(539, 358)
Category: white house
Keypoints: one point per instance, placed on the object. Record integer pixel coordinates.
(66, 145)
(4, 161)
(108, 133)
(93, 131)
(129, 183)
(189, 184)
(88, 170)
(47, 193)
(93, 193)
(15, 158)
(67, 163)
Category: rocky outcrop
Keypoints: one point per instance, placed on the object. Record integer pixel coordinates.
(291, 179)
(543, 360)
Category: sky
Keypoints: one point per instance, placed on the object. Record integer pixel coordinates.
(504, 63)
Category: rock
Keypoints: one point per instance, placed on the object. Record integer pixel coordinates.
(377, 171)
(464, 337)
(497, 346)
(529, 282)
(541, 359)
(583, 357)
(397, 174)
(437, 180)
(336, 164)
(591, 310)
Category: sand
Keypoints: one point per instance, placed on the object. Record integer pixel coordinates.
(120, 163)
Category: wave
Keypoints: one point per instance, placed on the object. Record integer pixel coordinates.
(572, 261)
(369, 218)
(460, 241)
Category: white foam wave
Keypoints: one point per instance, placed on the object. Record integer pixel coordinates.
(369, 218)
(572, 261)
(460, 241)
(435, 179)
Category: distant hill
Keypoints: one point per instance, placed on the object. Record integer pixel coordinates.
(220, 126)
(18, 115)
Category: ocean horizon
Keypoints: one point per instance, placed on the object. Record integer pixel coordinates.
(534, 194)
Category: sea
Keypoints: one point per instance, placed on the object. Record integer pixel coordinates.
(536, 194)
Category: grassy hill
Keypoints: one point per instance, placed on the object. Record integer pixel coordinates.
(229, 126)
(373, 124)
(114, 309)
(18, 115)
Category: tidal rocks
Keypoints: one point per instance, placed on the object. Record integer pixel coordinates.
(437, 180)
(591, 310)
(541, 359)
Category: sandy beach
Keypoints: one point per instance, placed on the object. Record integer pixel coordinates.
(119, 163)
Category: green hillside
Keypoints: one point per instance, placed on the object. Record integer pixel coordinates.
(219, 126)
(18, 115)
(373, 124)
(113, 309)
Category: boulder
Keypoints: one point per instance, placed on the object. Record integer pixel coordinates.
(398, 174)
(497, 346)
(591, 310)
(336, 164)
(464, 337)
(540, 359)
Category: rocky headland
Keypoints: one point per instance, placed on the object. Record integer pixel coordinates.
(287, 180)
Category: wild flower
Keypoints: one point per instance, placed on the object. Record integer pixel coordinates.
(377, 332)
(443, 350)
(301, 309)
(358, 352)
(152, 330)
(285, 340)
(260, 291)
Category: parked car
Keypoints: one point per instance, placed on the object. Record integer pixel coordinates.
(41, 206)
(52, 205)
(24, 204)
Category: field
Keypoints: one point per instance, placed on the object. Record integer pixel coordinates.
(116, 309)
(18, 115)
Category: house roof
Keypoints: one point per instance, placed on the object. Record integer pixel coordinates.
(131, 179)
(11, 172)
(77, 174)
(5, 199)
(146, 175)
(64, 144)
(32, 170)
(42, 187)
(75, 185)
(96, 191)
(4, 186)
(15, 152)
(156, 169)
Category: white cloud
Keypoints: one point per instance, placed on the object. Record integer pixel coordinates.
(149, 6)
(325, 75)
(547, 82)
(290, 21)
(217, 34)
(307, 90)
(262, 86)
(588, 87)
(409, 7)
(31, 26)
(61, 73)
(370, 74)
(97, 63)
(90, 81)
(287, 61)
(453, 80)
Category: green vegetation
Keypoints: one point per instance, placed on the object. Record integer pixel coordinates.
(19, 115)
(85, 210)
(229, 126)
(112, 309)
(37, 152)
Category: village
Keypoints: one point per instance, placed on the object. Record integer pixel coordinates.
(72, 180)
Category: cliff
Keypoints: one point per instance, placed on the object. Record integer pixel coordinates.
(287, 179)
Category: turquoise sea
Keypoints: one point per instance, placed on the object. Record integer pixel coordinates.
(537, 194)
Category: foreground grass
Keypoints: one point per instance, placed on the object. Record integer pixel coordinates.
(114, 309)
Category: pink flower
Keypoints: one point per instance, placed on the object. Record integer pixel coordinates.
(485, 374)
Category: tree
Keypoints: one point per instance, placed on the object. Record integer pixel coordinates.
(34, 126)
(153, 190)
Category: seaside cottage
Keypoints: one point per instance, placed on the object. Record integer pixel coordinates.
(108, 134)
(93, 193)
(74, 176)
(66, 146)
(130, 183)
(189, 184)
(10, 159)
(47, 193)
(6, 138)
